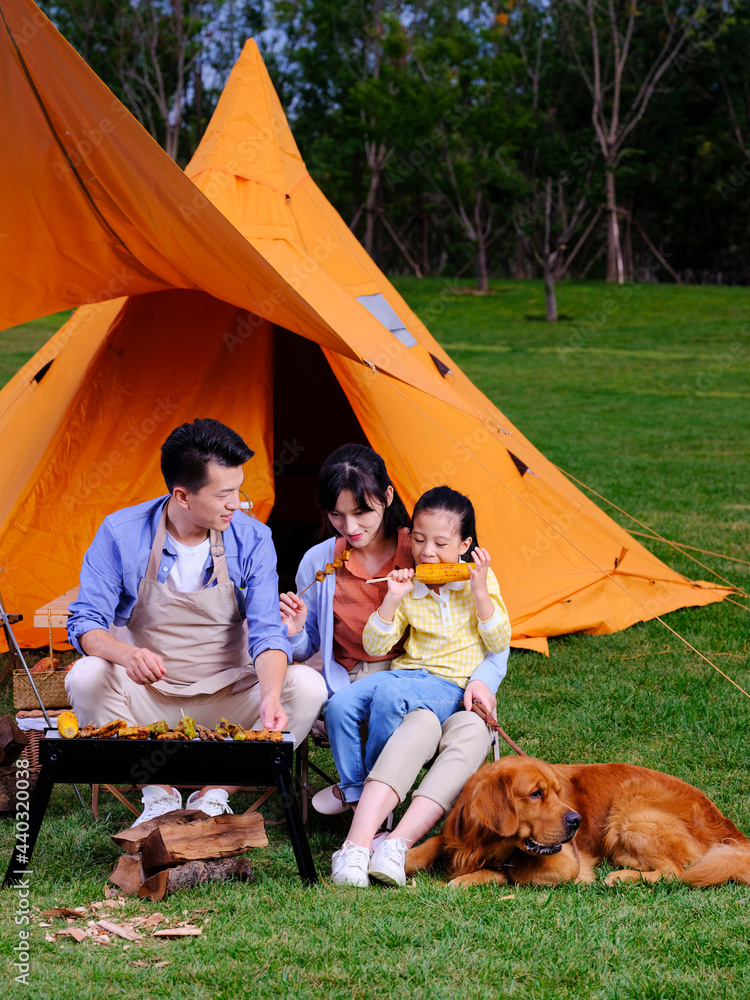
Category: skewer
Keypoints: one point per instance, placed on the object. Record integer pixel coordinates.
(321, 574)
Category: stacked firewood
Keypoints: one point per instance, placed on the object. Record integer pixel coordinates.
(186, 848)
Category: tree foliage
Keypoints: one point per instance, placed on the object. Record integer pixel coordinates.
(606, 138)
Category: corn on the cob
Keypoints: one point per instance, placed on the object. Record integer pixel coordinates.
(67, 725)
(440, 573)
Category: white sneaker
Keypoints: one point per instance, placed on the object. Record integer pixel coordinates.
(158, 802)
(349, 865)
(387, 862)
(213, 803)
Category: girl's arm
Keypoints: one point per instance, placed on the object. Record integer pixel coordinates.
(494, 627)
(386, 625)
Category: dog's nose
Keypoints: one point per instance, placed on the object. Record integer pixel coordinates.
(572, 821)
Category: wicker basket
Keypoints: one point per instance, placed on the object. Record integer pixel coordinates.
(50, 685)
(31, 752)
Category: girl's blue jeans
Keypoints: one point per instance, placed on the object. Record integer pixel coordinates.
(380, 701)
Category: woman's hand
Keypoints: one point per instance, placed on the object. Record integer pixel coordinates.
(293, 612)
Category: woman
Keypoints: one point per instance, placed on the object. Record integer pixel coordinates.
(367, 518)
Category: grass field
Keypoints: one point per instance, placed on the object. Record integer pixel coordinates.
(642, 393)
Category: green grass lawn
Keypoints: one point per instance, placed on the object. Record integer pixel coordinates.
(643, 394)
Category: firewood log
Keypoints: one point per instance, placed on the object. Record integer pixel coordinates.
(223, 836)
(195, 873)
(12, 740)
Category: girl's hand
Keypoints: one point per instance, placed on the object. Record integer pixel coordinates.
(400, 583)
(478, 690)
(293, 612)
(478, 575)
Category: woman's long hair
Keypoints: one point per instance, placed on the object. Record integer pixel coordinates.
(359, 469)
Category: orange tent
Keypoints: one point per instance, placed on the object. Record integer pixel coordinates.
(248, 299)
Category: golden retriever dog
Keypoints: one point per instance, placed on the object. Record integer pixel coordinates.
(521, 820)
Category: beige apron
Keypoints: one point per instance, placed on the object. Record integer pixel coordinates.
(201, 636)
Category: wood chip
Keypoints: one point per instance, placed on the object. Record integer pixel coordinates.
(120, 930)
(74, 932)
(154, 919)
(149, 965)
(64, 911)
(175, 932)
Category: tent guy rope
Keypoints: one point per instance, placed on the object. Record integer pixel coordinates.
(656, 537)
(585, 555)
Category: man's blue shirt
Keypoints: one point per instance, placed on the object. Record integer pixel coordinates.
(117, 559)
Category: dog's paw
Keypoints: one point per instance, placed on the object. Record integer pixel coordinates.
(483, 877)
(623, 875)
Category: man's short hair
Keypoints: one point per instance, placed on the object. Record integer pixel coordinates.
(188, 450)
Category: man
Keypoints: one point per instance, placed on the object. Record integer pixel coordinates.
(193, 580)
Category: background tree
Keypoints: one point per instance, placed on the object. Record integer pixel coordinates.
(622, 68)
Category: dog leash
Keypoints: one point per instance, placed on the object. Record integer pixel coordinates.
(495, 726)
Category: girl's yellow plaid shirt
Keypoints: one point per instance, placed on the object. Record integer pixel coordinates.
(445, 637)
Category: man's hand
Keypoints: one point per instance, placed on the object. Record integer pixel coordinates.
(293, 613)
(270, 666)
(480, 691)
(144, 667)
(272, 715)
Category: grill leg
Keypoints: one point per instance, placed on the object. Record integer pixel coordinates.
(295, 827)
(21, 857)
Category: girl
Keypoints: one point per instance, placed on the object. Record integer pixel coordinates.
(452, 627)
(364, 514)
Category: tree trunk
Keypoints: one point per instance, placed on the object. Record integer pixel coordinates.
(371, 208)
(615, 269)
(483, 282)
(628, 249)
(550, 296)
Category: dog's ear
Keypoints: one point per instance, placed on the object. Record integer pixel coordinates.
(493, 806)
